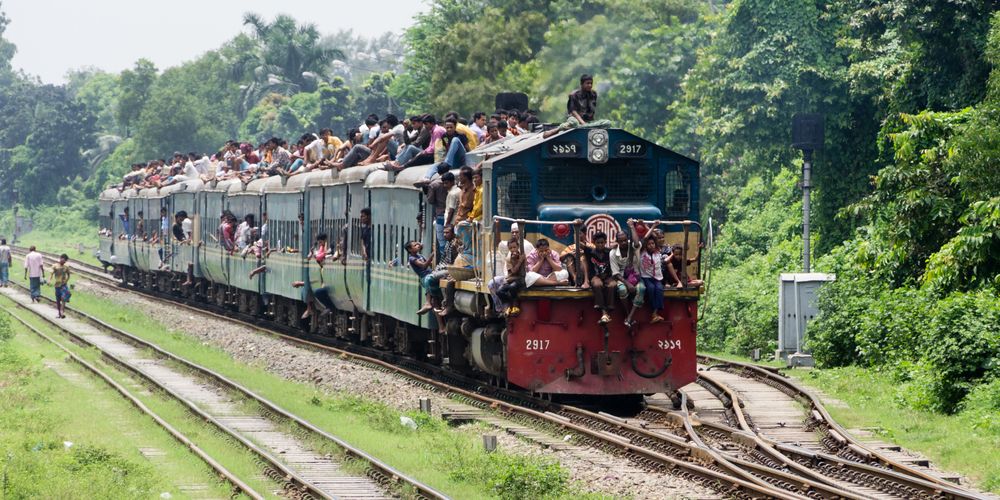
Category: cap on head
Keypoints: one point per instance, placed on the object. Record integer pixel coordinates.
(514, 227)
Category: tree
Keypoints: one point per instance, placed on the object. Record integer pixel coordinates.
(99, 92)
(373, 96)
(7, 49)
(288, 58)
(135, 84)
(51, 154)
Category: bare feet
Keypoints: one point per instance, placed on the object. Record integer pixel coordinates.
(424, 310)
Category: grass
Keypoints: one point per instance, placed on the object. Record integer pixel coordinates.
(450, 460)
(962, 442)
(76, 437)
(966, 442)
(69, 245)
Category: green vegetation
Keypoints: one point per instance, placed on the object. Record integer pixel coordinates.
(64, 442)
(960, 442)
(450, 460)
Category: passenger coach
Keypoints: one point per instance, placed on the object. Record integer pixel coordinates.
(564, 188)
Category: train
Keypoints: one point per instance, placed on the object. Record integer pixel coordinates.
(555, 347)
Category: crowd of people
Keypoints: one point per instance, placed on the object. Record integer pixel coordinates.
(420, 140)
(632, 269)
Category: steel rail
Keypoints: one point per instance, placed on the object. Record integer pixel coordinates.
(382, 472)
(179, 436)
(820, 417)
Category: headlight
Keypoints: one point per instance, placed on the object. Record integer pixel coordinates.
(598, 138)
(598, 155)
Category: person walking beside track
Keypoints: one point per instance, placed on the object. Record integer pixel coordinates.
(60, 280)
(34, 270)
(5, 262)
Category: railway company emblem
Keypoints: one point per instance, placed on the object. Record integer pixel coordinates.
(603, 223)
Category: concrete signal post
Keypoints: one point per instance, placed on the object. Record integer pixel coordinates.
(797, 292)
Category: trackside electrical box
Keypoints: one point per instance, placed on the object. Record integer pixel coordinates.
(796, 307)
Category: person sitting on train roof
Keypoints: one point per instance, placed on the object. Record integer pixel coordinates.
(476, 214)
(478, 125)
(314, 148)
(414, 156)
(544, 268)
(367, 127)
(581, 108)
(385, 146)
(353, 149)
(625, 270)
(378, 146)
(502, 129)
(513, 122)
(597, 275)
(449, 152)
(332, 143)
(492, 133)
(651, 274)
(462, 127)
(505, 288)
(417, 134)
(422, 267)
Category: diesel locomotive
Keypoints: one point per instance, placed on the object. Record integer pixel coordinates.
(555, 346)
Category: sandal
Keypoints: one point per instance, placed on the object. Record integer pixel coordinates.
(656, 319)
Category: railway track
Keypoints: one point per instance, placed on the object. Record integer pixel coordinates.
(773, 418)
(236, 484)
(245, 418)
(728, 455)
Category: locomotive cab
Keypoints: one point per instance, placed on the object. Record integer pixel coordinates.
(566, 189)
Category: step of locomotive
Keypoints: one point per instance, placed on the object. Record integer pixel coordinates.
(457, 413)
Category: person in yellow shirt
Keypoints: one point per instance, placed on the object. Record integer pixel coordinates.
(476, 214)
(333, 143)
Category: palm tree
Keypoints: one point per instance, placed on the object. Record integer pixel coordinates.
(288, 58)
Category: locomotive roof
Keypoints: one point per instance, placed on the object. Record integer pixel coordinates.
(508, 148)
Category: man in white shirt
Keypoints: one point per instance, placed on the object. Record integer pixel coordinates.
(479, 125)
(34, 269)
(503, 253)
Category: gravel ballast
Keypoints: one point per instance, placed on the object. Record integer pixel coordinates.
(592, 470)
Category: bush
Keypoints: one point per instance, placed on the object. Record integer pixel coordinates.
(962, 344)
(939, 348)
(514, 476)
